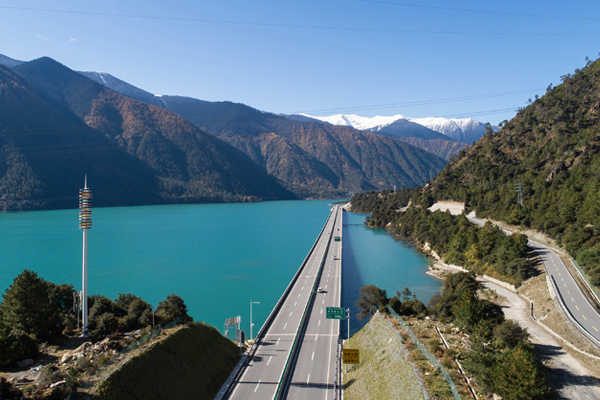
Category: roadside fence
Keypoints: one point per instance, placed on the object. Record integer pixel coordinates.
(430, 357)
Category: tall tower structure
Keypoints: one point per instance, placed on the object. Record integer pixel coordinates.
(85, 223)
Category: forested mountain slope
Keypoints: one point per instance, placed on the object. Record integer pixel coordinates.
(189, 165)
(45, 153)
(311, 158)
(552, 147)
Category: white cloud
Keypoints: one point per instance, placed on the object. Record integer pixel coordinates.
(42, 37)
(72, 39)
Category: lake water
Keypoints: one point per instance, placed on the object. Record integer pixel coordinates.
(217, 257)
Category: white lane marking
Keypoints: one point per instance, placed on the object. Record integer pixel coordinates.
(317, 337)
(319, 322)
(277, 341)
(323, 301)
(325, 286)
(299, 294)
(291, 313)
(321, 311)
(306, 380)
(285, 326)
(256, 386)
(295, 304)
(302, 287)
(313, 356)
(269, 362)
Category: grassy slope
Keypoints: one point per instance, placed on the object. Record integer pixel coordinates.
(384, 372)
(192, 363)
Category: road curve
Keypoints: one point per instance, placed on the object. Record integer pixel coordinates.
(571, 294)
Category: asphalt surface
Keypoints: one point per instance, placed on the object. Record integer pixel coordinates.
(573, 298)
(260, 378)
(575, 301)
(314, 373)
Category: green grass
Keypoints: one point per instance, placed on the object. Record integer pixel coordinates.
(192, 363)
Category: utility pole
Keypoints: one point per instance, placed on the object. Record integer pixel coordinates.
(520, 194)
(251, 324)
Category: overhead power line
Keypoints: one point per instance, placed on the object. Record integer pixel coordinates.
(469, 10)
(302, 26)
(416, 103)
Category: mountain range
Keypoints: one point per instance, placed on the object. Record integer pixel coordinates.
(465, 130)
(144, 149)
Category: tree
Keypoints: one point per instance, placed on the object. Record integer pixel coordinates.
(518, 375)
(510, 334)
(27, 307)
(171, 309)
(369, 300)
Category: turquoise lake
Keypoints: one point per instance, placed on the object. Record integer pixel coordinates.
(217, 257)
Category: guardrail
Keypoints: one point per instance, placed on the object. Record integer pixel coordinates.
(273, 314)
(283, 385)
(570, 316)
(585, 280)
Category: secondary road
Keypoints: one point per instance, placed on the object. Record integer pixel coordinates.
(261, 376)
(315, 370)
(574, 299)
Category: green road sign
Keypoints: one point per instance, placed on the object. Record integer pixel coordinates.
(336, 313)
(337, 239)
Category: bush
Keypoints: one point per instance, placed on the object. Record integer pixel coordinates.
(17, 346)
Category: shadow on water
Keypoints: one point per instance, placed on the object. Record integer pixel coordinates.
(351, 283)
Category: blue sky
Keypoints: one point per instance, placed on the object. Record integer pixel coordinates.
(368, 57)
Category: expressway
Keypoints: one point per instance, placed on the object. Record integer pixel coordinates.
(261, 375)
(573, 298)
(568, 289)
(315, 369)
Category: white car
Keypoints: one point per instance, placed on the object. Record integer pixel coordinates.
(319, 289)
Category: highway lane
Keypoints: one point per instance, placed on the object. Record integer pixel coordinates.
(260, 378)
(574, 299)
(314, 372)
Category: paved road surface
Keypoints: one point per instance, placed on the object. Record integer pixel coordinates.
(260, 378)
(314, 373)
(575, 301)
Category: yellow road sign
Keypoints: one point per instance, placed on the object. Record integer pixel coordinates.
(350, 356)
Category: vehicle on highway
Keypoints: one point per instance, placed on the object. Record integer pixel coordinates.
(319, 289)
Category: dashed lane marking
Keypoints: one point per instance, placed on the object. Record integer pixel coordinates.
(595, 328)
(313, 356)
(295, 304)
(577, 308)
(256, 386)
(291, 313)
(319, 323)
(306, 380)
(269, 362)
(584, 317)
(285, 326)
(572, 300)
(277, 341)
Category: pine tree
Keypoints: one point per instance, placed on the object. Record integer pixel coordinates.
(518, 375)
(27, 307)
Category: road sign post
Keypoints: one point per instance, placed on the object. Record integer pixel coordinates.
(336, 313)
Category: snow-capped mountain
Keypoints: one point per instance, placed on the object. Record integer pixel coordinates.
(465, 130)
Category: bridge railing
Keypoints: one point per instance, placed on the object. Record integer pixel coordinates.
(283, 385)
(267, 324)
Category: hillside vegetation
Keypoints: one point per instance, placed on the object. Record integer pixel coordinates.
(552, 146)
(192, 363)
(61, 125)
